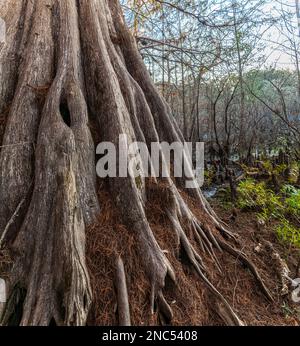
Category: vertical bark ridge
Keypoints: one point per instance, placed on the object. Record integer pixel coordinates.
(81, 62)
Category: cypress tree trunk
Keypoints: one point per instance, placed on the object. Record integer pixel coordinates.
(67, 64)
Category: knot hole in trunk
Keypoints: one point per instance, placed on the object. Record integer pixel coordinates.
(65, 113)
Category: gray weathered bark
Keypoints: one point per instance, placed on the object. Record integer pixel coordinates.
(66, 63)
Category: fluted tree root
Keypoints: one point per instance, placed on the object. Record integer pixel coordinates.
(80, 66)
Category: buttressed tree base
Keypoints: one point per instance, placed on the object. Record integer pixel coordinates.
(71, 69)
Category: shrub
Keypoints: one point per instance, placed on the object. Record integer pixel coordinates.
(208, 177)
(288, 190)
(293, 204)
(252, 195)
(288, 233)
(256, 196)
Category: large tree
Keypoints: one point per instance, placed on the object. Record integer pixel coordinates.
(68, 66)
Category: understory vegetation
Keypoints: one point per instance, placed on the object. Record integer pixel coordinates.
(276, 205)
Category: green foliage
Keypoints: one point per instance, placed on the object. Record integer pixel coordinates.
(256, 196)
(293, 204)
(288, 233)
(208, 177)
(260, 83)
(279, 169)
(287, 310)
(291, 200)
(270, 169)
(288, 190)
(267, 165)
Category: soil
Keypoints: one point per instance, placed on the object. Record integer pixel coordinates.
(191, 303)
(248, 301)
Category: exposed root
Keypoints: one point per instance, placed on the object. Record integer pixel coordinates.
(196, 261)
(122, 294)
(243, 258)
(180, 213)
(282, 268)
(164, 309)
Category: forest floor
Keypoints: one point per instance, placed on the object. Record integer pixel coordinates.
(191, 303)
(250, 304)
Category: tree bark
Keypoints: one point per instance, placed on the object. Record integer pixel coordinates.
(66, 65)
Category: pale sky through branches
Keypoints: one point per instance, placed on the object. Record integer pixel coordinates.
(276, 38)
(277, 55)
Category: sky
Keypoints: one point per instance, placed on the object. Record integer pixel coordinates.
(276, 57)
(281, 58)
